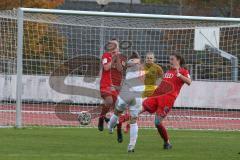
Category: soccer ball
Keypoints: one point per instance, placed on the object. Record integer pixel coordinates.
(84, 118)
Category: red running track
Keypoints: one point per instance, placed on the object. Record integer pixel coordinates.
(66, 115)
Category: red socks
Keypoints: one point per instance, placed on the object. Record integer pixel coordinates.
(163, 133)
(105, 110)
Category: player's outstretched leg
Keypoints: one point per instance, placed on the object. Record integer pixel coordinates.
(133, 134)
(163, 132)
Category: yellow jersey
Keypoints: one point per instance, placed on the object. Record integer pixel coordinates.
(152, 73)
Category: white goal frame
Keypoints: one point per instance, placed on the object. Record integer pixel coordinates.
(20, 21)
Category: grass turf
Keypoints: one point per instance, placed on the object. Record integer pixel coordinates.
(89, 144)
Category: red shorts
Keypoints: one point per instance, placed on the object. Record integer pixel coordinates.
(161, 104)
(109, 91)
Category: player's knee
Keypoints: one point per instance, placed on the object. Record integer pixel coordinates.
(158, 120)
(148, 106)
(133, 120)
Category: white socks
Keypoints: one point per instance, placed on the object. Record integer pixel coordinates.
(113, 121)
(133, 129)
(133, 134)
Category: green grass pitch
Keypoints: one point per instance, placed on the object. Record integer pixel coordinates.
(90, 144)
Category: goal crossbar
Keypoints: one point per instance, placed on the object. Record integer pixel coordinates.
(129, 15)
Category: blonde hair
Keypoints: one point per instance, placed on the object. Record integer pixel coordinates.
(150, 53)
(112, 45)
(115, 41)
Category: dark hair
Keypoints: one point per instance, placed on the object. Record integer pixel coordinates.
(134, 55)
(180, 58)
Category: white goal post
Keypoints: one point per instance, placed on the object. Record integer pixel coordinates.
(51, 42)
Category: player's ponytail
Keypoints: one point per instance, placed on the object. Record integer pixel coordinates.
(181, 59)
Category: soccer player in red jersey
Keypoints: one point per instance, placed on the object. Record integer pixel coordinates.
(163, 98)
(113, 64)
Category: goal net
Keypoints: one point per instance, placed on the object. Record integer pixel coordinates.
(57, 74)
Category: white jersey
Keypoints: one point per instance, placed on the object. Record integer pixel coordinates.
(133, 78)
(131, 91)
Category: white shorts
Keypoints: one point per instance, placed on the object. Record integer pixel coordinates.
(134, 105)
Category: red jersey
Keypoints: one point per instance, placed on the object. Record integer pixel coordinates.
(112, 76)
(171, 84)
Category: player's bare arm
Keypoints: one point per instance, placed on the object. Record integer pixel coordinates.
(118, 63)
(116, 59)
(160, 75)
(185, 79)
(160, 72)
